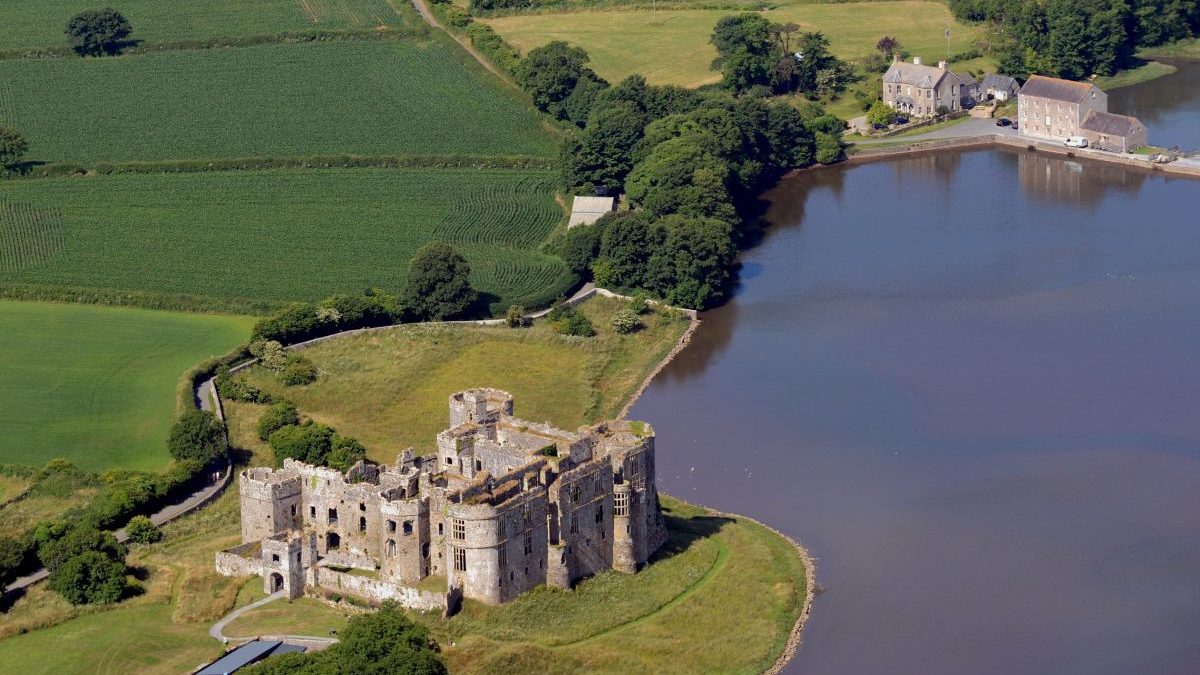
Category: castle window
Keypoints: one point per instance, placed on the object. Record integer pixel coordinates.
(450, 460)
(332, 541)
(274, 557)
(575, 493)
(408, 527)
(391, 547)
(460, 560)
(362, 506)
(574, 523)
(333, 516)
(293, 510)
(440, 528)
(635, 466)
(503, 557)
(528, 542)
(362, 524)
(424, 550)
(312, 512)
(458, 528)
(600, 513)
(478, 465)
(621, 504)
(391, 526)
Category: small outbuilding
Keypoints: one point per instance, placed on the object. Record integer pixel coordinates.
(587, 210)
(248, 654)
(999, 88)
(1109, 131)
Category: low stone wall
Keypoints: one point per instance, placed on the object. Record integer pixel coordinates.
(232, 562)
(376, 590)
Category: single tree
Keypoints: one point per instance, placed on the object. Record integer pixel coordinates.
(439, 283)
(550, 75)
(142, 530)
(279, 415)
(13, 146)
(96, 32)
(881, 114)
(197, 436)
(90, 578)
(887, 45)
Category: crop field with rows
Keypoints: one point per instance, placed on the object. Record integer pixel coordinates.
(40, 24)
(354, 97)
(277, 235)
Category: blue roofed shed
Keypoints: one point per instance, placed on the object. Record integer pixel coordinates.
(249, 653)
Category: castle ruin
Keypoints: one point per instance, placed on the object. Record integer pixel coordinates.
(505, 505)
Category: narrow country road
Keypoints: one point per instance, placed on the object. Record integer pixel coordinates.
(427, 14)
(972, 127)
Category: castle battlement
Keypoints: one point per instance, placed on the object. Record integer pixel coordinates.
(504, 505)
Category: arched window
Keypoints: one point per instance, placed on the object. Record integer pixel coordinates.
(408, 527)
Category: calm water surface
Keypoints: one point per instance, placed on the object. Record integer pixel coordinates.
(969, 383)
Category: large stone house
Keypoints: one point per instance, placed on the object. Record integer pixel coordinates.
(503, 506)
(919, 90)
(1052, 108)
(1109, 131)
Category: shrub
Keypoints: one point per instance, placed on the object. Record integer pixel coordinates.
(231, 388)
(344, 452)
(638, 304)
(488, 42)
(829, 148)
(59, 542)
(561, 312)
(13, 553)
(625, 321)
(309, 442)
(298, 371)
(90, 578)
(577, 325)
(280, 415)
(515, 317)
(142, 530)
(271, 354)
(95, 32)
(197, 436)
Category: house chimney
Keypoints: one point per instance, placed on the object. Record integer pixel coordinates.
(896, 56)
(942, 65)
(916, 60)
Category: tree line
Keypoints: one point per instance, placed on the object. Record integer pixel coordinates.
(1077, 38)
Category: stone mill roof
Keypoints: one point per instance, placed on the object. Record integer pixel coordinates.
(1056, 89)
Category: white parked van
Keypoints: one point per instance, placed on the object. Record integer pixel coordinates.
(1076, 142)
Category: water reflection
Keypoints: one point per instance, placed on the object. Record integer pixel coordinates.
(1167, 106)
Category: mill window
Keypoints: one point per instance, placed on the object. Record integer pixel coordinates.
(460, 559)
(458, 528)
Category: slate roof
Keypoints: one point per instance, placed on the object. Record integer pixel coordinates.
(916, 75)
(1056, 89)
(998, 82)
(251, 652)
(965, 79)
(587, 210)
(1109, 123)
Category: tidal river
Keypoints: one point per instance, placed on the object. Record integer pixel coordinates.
(969, 383)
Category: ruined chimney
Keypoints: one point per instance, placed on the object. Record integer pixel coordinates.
(916, 60)
(942, 65)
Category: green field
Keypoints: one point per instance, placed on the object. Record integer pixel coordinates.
(96, 385)
(671, 46)
(40, 24)
(389, 389)
(276, 235)
(354, 97)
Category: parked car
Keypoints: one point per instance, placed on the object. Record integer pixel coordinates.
(1014, 125)
(1003, 122)
(1076, 142)
(901, 119)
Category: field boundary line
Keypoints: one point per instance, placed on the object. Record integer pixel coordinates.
(427, 14)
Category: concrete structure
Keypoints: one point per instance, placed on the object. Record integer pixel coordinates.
(998, 87)
(587, 210)
(1109, 131)
(1055, 109)
(503, 506)
(920, 90)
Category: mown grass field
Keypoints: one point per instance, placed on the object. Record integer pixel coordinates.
(671, 46)
(389, 388)
(276, 235)
(40, 24)
(375, 97)
(96, 385)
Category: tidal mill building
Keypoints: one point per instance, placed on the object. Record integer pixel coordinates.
(503, 506)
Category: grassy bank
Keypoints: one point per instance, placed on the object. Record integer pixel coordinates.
(1149, 71)
(358, 97)
(671, 47)
(96, 385)
(389, 388)
(1183, 49)
(276, 235)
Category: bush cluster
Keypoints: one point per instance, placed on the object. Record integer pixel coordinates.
(625, 321)
(86, 565)
(315, 443)
(566, 320)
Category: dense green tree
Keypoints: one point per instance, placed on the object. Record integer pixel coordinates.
(385, 642)
(197, 436)
(309, 442)
(682, 175)
(95, 32)
(580, 246)
(881, 114)
(142, 530)
(439, 283)
(59, 542)
(746, 52)
(829, 148)
(90, 578)
(550, 74)
(13, 146)
(601, 156)
(345, 452)
(694, 264)
(277, 416)
(12, 559)
(626, 246)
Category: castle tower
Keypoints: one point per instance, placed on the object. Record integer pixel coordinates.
(405, 548)
(270, 502)
(285, 557)
(625, 558)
